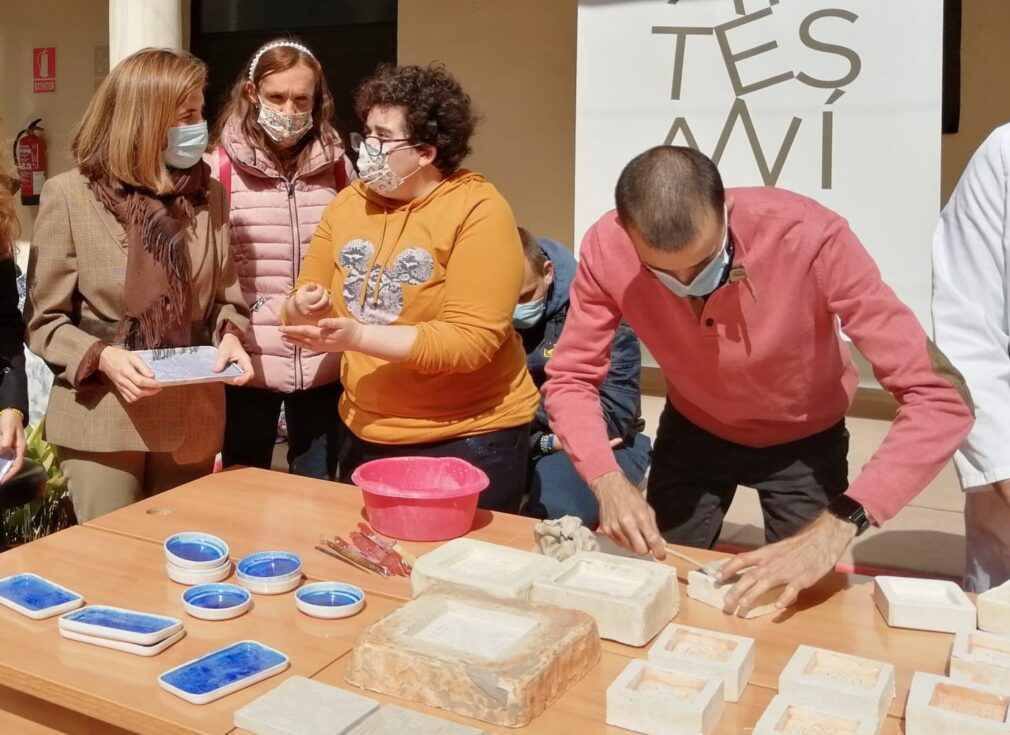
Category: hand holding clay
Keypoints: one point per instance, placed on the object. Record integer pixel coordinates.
(312, 300)
(625, 516)
(797, 562)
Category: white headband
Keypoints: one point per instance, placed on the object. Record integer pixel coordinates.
(275, 44)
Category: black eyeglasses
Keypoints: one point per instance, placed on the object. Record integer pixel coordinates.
(374, 145)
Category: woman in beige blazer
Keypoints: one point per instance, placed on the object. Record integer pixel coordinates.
(130, 251)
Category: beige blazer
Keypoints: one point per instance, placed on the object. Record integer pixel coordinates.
(76, 270)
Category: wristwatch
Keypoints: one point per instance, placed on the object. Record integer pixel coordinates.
(849, 510)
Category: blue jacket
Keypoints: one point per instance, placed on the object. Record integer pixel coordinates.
(620, 394)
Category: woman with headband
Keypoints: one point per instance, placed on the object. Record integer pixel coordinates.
(282, 162)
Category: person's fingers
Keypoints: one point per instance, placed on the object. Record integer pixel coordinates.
(630, 525)
(141, 381)
(789, 595)
(614, 443)
(735, 564)
(139, 366)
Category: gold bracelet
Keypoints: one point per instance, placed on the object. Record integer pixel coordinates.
(14, 410)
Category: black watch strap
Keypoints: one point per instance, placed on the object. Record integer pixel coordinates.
(849, 510)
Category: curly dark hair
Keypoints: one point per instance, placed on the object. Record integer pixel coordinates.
(436, 109)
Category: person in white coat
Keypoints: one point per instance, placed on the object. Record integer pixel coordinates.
(971, 322)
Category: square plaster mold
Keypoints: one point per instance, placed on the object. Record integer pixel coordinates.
(940, 706)
(923, 604)
(981, 658)
(490, 658)
(784, 717)
(651, 698)
(630, 599)
(701, 651)
(994, 610)
(705, 588)
(837, 682)
(498, 570)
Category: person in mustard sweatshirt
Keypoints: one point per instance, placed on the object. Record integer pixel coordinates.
(413, 273)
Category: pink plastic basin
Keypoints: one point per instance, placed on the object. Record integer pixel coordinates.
(420, 498)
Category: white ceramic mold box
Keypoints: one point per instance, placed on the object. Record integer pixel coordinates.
(837, 682)
(631, 600)
(498, 570)
(650, 698)
(705, 588)
(981, 658)
(783, 717)
(923, 604)
(300, 706)
(490, 658)
(994, 610)
(701, 651)
(941, 706)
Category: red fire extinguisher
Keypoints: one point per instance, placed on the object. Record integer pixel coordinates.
(30, 155)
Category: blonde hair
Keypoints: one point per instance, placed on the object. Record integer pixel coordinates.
(124, 130)
(10, 228)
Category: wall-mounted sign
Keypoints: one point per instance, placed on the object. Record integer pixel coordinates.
(44, 70)
(836, 99)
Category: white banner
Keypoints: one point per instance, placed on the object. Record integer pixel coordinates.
(836, 99)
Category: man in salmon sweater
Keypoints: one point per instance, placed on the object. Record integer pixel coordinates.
(739, 296)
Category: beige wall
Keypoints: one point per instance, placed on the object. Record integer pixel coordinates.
(75, 28)
(517, 60)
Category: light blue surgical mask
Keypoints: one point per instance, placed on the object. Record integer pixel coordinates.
(527, 315)
(186, 145)
(708, 278)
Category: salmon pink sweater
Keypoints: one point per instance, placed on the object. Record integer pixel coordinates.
(764, 363)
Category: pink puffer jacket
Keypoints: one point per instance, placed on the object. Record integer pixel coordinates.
(272, 221)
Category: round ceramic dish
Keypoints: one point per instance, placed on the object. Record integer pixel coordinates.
(216, 601)
(269, 566)
(330, 599)
(195, 550)
(198, 576)
(271, 587)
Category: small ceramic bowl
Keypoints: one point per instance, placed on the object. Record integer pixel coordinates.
(270, 566)
(216, 601)
(198, 576)
(195, 550)
(330, 600)
(271, 587)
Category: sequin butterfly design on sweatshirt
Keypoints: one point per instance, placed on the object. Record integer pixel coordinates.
(375, 295)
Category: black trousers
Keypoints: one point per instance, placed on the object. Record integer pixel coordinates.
(501, 454)
(250, 429)
(695, 474)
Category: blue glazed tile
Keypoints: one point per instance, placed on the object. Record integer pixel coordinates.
(331, 597)
(216, 596)
(264, 564)
(223, 667)
(132, 622)
(35, 593)
(195, 547)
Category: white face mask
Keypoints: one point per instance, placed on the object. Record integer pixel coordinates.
(282, 127)
(186, 144)
(708, 279)
(375, 173)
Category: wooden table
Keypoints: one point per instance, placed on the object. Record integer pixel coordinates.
(118, 559)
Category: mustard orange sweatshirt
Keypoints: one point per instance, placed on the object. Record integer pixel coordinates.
(451, 264)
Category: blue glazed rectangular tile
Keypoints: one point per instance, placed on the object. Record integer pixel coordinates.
(116, 623)
(223, 671)
(37, 597)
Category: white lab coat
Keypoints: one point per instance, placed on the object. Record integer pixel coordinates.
(971, 304)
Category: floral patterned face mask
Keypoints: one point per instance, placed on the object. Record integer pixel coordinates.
(281, 127)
